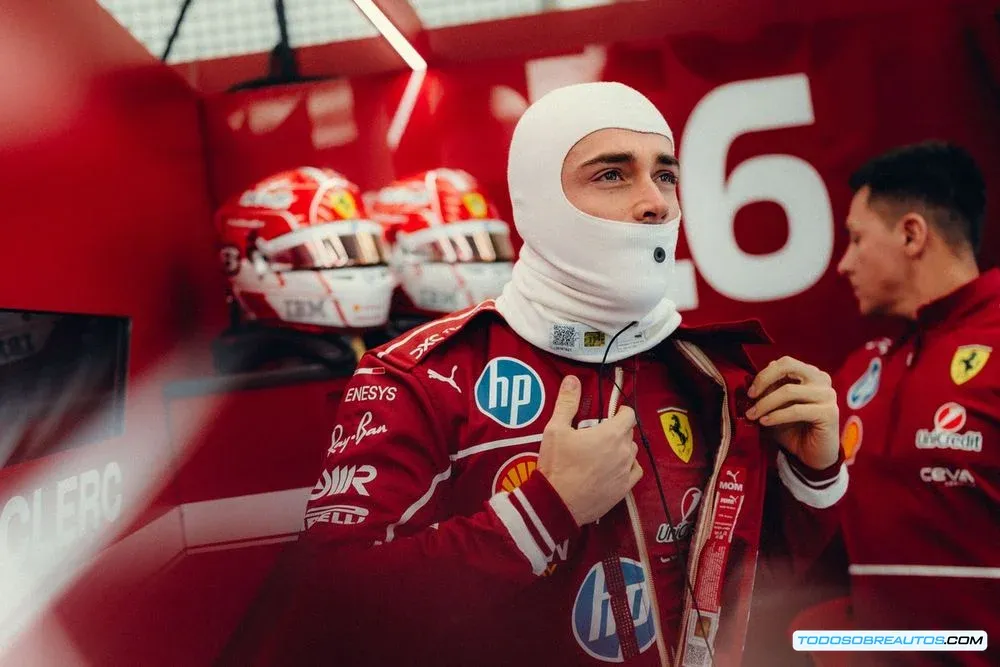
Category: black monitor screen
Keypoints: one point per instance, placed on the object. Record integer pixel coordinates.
(62, 381)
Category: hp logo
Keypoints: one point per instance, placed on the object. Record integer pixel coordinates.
(593, 620)
(510, 392)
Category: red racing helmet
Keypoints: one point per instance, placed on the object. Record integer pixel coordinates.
(450, 249)
(300, 252)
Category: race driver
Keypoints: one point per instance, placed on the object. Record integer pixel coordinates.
(563, 476)
(921, 412)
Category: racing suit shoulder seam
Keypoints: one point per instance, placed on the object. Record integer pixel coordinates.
(412, 348)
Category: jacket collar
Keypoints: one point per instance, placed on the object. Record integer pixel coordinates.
(967, 299)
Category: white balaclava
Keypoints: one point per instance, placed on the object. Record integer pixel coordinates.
(580, 279)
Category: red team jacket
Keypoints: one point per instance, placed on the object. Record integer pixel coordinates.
(429, 540)
(921, 520)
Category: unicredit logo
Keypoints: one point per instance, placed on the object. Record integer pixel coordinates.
(948, 420)
(950, 417)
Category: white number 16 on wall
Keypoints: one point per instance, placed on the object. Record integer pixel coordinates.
(711, 201)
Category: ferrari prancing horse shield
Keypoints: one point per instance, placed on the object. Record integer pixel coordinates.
(343, 203)
(677, 429)
(968, 361)
(476, 204)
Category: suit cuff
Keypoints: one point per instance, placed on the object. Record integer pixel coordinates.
(537, 519)
(816, 488)
(828, 474)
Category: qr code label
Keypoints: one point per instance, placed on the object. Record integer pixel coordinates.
(696, 655)
(564, 337)
(701, 629)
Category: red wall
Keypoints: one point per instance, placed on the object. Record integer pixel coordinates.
(105, 203)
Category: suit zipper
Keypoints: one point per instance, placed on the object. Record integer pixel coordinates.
(633, 515)
(703, 527)
(895, 405)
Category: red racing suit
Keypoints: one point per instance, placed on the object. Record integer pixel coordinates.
(921, 431)
(429, 540)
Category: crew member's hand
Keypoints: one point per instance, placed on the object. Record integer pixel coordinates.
(798, 404)
(591, 469)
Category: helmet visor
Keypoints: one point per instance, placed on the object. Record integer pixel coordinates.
(331, 246)
(479, 241)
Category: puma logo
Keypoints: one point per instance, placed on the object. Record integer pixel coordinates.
(732, 474)
(434, 375)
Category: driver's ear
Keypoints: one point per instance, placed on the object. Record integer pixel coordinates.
(915, 231)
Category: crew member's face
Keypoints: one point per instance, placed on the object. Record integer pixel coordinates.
(874, 262)
(623, 175)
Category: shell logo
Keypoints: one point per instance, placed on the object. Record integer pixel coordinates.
(514, 472)
(850, 440)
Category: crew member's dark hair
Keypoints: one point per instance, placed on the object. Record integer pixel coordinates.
(940, 178)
